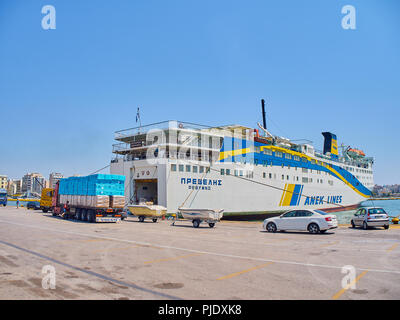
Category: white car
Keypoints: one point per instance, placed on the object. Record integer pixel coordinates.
(314, 221)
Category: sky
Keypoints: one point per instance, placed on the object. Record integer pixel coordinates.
(64, 92)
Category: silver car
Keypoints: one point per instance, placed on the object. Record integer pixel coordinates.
(370, 217)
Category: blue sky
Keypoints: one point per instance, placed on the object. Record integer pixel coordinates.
(64, 92)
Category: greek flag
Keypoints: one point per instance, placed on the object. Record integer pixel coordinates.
(137, 115)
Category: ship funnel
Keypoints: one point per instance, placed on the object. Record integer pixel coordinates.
(330, 144)
(263, 113)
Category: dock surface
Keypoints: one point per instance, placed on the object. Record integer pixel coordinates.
(233, 260)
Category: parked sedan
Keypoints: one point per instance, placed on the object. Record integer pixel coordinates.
(35, 205)
(370, 217)
(314, 221)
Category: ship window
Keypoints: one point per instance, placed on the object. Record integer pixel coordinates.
(241, 173)
(278, 154)
(287, 177)
(173, 167)
(181, 168)
(270, 175)
(304, 159)
(268, 152)
(201, 169)
(222, 172)
(288, 156)
(207, 169)
(236, 172)
(312, 161)
(297, 178)
(304, 180)
(187, 168)
(228, 172)
(282, 165)
(297, 158)
(283, 177)
(194, 169)
(264, 175)
(310, 180)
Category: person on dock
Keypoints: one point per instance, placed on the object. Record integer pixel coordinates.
(17, 203)
(65, 209)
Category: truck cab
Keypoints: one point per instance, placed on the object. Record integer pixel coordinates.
(3, 197)
(46, 199)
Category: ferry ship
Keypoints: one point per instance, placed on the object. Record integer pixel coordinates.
(248, 172)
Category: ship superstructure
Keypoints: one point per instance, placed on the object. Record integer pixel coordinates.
(243, 170)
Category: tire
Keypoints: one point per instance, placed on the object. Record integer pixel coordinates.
(211, 224)
(45, 210)
(386, 226)
(84, 215)
(196, 223)
(313, 228)
(54, 214)
(91, 217)
(78, 214)
(141, 218)
(271, 227)
(352, 224)
(365, 225)
(155, 220)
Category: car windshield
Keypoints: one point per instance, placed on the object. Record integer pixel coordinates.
(376, 211)
(321, 212)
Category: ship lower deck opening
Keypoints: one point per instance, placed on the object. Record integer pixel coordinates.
(146, 191)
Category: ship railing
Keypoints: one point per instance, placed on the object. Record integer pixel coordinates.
(164, 125)
(119, 148)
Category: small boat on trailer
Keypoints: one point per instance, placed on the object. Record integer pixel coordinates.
(147, 211)
(211, 216)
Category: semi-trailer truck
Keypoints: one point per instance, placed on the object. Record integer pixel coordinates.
(95, 198)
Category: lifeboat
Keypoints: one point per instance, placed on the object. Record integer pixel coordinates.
(356, 152)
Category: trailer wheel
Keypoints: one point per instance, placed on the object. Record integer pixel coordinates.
(84, 215)
(196, 223)
(77, 214)
(91, 217)
(211, 224)
(45, 210)
(154, 219)
(141, 218)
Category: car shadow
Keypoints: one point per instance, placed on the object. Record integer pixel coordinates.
(299, 232)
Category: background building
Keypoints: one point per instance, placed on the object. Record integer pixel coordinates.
(54, 177)
(33, 183)
(3, 182)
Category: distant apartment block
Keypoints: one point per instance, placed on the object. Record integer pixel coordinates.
(3, 182)
(54, 177)
(33, 182)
